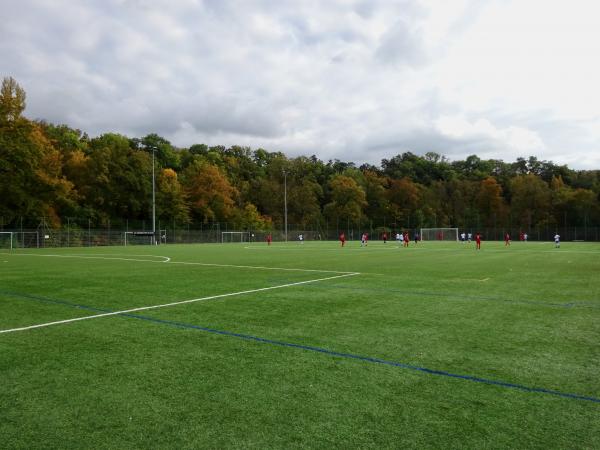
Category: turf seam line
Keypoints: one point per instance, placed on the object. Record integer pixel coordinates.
(165, 305)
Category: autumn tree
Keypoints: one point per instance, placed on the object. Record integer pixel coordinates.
(32, 182)
(211, 196)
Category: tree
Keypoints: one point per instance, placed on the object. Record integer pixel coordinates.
(404, 198)
(117, 180)
(171, 203)
(12, 100)
(490, 202)
(249, 218)
(304, 192)
(375, 190)
(211, 196)
(348, 199)
(164, 152)
(530, 201)
(32, 181)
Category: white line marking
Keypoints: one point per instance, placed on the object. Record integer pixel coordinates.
(168, 260)
(165, 258)
(144, 308)
(262, 267)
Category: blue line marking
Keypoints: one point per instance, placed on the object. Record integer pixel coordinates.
(320, 350)
(52, 301)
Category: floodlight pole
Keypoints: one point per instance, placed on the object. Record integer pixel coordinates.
(153, 200)
(285, 202)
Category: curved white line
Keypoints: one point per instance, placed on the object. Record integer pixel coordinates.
(168, 260)
(107, 258)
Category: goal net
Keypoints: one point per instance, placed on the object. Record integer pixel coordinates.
(144, 237)
(439, 234)
(6, 239)
(235, 236)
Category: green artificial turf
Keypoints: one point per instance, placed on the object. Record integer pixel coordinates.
(393, 347)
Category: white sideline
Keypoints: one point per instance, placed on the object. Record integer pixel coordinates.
(168, 260)
(144, 308)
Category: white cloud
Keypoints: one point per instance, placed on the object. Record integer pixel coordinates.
(512, 138)
(357, 80)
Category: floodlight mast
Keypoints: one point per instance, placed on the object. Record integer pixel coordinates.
(153, 199)
(285, 203)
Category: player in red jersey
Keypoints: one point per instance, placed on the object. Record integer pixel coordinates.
(384, 237)
(269, 239)
(343, 238)
(478, 241)
(507, 239)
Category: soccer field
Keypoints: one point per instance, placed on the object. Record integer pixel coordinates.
(286, 346)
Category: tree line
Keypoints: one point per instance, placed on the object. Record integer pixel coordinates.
(57, 172)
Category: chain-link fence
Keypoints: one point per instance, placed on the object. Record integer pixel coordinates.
(92, 237)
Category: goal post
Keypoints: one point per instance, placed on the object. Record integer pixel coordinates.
(138, 238)
(439, 234)
(144, 237)
(235, 236)
(6, 239)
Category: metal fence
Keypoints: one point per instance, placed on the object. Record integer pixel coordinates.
(93, 237)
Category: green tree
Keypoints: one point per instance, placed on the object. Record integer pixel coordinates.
(348, 200)
(163, 150)
(530, 201)
(377, 202)
(248, 218)
(490, 202)
(404, 199)
(117, 182)
(12, 100)
(171, 203)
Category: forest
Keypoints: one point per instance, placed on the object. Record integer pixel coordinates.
(55, 173)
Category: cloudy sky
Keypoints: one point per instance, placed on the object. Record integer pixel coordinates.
(358, 80)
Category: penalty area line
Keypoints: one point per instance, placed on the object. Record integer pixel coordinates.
(166, 305)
